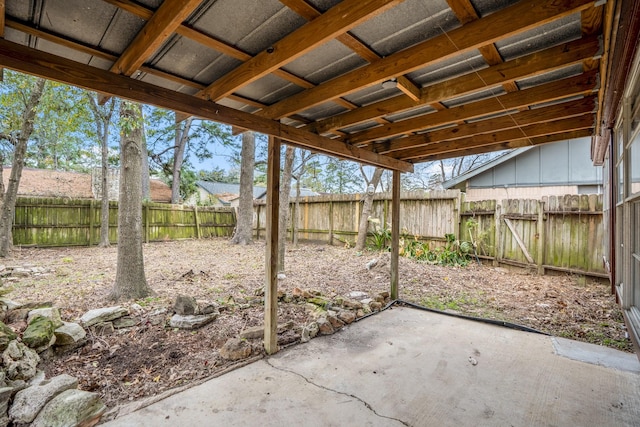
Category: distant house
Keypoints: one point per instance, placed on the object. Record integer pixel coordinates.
(225, 194)
(73, 185)
(554, 169)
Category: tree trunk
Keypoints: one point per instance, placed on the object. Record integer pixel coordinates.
(285, 190)
(296, 218)
(131, 282)
(367, 205)
(243, 234)
(182, 136)
(146, 184)
(9, 200)
(104, 199)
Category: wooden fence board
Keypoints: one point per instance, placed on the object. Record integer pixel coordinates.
(65, 222)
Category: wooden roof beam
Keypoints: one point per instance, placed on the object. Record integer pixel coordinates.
(337, 20)
(511, 20)
(156, 31)
(526, 66)
(537, 115)
(516, 143)
(586, 121)
(42, 64)
(582, 84)
(206, 40)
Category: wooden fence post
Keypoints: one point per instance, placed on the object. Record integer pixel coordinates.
(146, 222)
(541, 237)
(195, 216)
(330, 222)
(257, 222)
(498, 244)
(91, 209)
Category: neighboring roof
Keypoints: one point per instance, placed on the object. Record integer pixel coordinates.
(226, 189)
(451, 183)
(74, 185)
(560, 163)
(383, 82)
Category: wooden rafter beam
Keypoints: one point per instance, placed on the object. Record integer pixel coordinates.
(42, 64)
(309, 12)
(586, 121)
(337, 20)
(582, 84)
(568, 109)
(206, 40)
(509, 21)
(526, 66)
(156, 31)
(516, 143)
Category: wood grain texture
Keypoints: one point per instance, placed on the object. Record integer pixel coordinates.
(509, 21)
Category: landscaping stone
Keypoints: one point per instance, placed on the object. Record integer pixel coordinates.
(39, 335)
(19, 361)
(191, 321)
(50, 312)
(309, 331)
(104, 314)
(69, 334)
(5, 397)
(103, 329)
(335, 322)
(206, 307)
(359, 295)
(347, 316)
(6, 336)
(17, 315)
(28, 402)
(9, 304)
(72, 408)
(185, 305)
(235, 349)
(320, 302)
(324, 326)
(252, 333)
(379, 298)
(157, 316)
(124, 322)
(375, 306)
(352, 304)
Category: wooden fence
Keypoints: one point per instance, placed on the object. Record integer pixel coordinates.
(66, 222)
(332, 219)
(562, 233)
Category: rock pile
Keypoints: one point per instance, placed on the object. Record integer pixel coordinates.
(26, 396)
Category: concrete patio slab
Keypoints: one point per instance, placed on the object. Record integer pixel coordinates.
(408, 367)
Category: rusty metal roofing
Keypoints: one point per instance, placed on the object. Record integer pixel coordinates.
(373, 80)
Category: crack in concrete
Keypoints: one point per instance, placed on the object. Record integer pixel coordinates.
(365, 403)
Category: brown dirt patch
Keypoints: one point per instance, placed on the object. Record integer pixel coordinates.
(148, 359)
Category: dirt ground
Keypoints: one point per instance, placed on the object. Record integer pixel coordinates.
(148, 359)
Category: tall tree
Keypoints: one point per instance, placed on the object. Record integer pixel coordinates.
(102, 116)
(173, 143)
(18, 136)
(131, 282)
(367, 205)
(243, 234)
(285, 191)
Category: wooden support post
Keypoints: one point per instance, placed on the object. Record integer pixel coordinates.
(146, 223)
(195, 216)
(541, 238)
(257, 222)
(498, 237)
(271, 256)
(330, 222)
(395, 233)
(91, 224)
